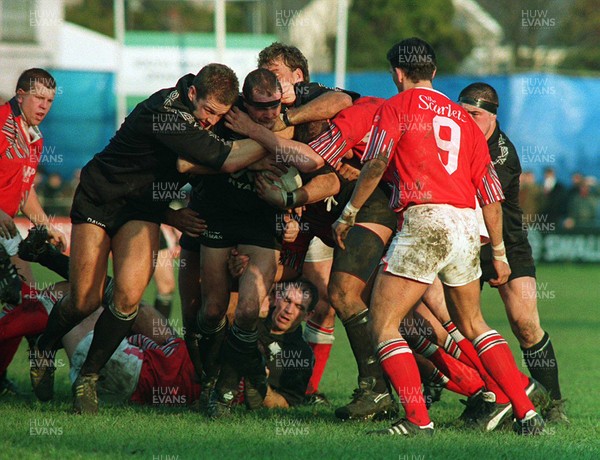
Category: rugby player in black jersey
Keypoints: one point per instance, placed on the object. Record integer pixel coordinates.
(519, 294)
(118, 206)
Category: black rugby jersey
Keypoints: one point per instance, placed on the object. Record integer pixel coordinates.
(507, 164)
(139, 163)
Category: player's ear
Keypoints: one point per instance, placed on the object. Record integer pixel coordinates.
(192, 93)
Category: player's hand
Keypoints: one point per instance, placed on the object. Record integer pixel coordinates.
(8, 229)
(340, 231)
(502, 270)
(269, 163)
(56, 237)
(237, 263)
(187, 221)
(269, 192)
(239, 122)
(348, 172)
(291, 229)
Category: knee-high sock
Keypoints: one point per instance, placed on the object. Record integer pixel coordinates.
(210, 340)
(468, 350)
(320, 340)
(399, 365)
(359, 336)
(466, 378)
(541, 362)
(111, 328)
(498, 360)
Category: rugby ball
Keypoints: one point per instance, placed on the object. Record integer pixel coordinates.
(289, 182)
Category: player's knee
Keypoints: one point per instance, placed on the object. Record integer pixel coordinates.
(212, 312)
(85, 304)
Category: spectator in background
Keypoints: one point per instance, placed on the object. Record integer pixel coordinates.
(554, 206)
(530, 196)
(583, 206)
(577, 180)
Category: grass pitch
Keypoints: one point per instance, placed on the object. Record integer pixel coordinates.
(568, 302)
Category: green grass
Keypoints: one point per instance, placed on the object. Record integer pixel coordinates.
(568, 304)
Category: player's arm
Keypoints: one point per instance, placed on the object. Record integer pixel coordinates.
(317, 189)
(297, 154)
(492, 216)
(369, 178)
(489, 194)
(35, 213)
(323, 107)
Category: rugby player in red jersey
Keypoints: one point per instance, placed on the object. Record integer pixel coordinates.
(420, 140)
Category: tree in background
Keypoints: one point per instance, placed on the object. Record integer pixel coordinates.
(581, 32)
(375, 25)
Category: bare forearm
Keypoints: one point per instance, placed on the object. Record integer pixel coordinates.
(32, 208)
(321, 108)
(369, 178)
(317, 189)
(243, 153)
(492, 216)
(288, 151)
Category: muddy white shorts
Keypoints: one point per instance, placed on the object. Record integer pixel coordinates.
(119, 377)
(436, 240)
(318, 251)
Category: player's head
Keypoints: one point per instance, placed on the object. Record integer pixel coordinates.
(481, 101)
(35, 93)
(292, 302)
(262, 97)
(213, 92)
(411, 60)
(289, 64)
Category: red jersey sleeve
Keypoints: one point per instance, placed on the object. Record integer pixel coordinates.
(484, 177)
(384, 135)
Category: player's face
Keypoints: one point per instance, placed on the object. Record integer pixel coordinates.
(207, 111)
(287, 78)
(265, 116)
(484, 119)
(290, 309)
(35, 104)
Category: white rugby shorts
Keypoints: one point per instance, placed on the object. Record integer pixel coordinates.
(318, 251)
(436, 240)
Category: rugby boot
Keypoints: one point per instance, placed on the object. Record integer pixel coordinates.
(316, 399)
(207, 385)
(403, 427)
(255, 381)
(41, 372)
(10, 281)
(220, 403)
(8, 387)
(483, 412)
(85, 398)
(531, 425)
(555, 412)
(538, 395)
(367, 404)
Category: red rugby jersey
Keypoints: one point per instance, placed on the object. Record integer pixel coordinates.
(348, 130)
(19, 158)
(435, 152)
